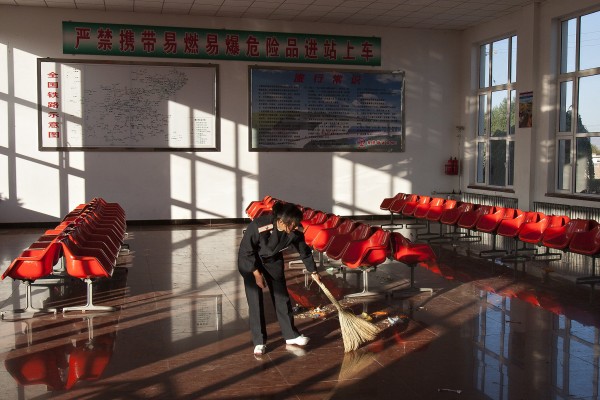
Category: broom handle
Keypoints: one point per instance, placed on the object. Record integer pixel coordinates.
(329, 295)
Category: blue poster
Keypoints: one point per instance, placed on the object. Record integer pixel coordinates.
(326, 110)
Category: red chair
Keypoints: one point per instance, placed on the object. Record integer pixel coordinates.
(559, 237)
(311, 231)
(511, 228)
(257, 203)
(88, 264)
(468, 220)
(410, 206)
(397, 206)
(366, 255)
(325, 236)
(587, 243)
(307, 213)
(434, 215)
(489, 223)
(33, 264)
(533, 233)
(387, 203)
(262, 209)
(451, 216)
(339, 242)
(421, 212)
(318, 218)
(410, 254)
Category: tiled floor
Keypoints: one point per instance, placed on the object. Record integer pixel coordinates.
(181, 332)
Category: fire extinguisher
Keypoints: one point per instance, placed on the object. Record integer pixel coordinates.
(449, 167)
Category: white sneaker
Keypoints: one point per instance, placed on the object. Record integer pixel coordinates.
(300, 340)
(260, 349)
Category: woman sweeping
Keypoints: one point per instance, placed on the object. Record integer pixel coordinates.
(260, 262)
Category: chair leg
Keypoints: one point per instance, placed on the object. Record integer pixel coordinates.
(412, 289)
(29, 309)
(415, 223)
(442, 237)
(89, 306)
(493, 252)
(519, 255)
(427, 235)
(365, 292)
(392, 223)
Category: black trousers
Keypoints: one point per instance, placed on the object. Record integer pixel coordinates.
(256, 310)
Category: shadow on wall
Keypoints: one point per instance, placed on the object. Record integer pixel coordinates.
(16, 207)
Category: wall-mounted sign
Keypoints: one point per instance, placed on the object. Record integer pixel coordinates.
(326, 110)
(108, 105)
(218, 44)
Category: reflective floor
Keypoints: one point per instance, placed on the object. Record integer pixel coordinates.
(181, 331)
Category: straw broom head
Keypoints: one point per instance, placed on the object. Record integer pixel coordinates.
(355, 330)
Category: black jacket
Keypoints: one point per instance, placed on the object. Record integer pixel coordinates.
(262, 244)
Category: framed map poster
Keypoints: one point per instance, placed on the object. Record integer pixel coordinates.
(107, 105)
(325, 110)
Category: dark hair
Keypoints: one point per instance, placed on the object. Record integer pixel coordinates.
(288, 213)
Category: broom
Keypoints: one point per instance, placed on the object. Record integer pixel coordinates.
(355, 330)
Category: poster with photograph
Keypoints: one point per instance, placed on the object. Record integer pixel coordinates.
(526, 110)
(326, 110)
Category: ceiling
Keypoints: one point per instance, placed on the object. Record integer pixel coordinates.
(423, 14)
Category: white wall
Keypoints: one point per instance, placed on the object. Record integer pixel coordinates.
(43, 186)
(536, 29)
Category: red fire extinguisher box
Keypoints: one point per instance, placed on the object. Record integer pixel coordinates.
(451, 166)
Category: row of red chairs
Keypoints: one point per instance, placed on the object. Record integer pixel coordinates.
(356, 245)
(88, 240)
(553, 232)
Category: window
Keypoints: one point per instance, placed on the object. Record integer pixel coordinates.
(578, 122)
(496, 113)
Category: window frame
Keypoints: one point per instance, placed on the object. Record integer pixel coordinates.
(572, 135)
(487, 138)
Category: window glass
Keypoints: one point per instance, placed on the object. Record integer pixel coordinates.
(566, 106)
(498, 162)
(587, 158)
(588, 116)
(568, 45)
(480, 162)
(589, 54)
(564, 165)
(500, 62)
(482, 117)
(513, 113)
(513, 59)
(511, 163)
(499, 113)
(484, 66)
